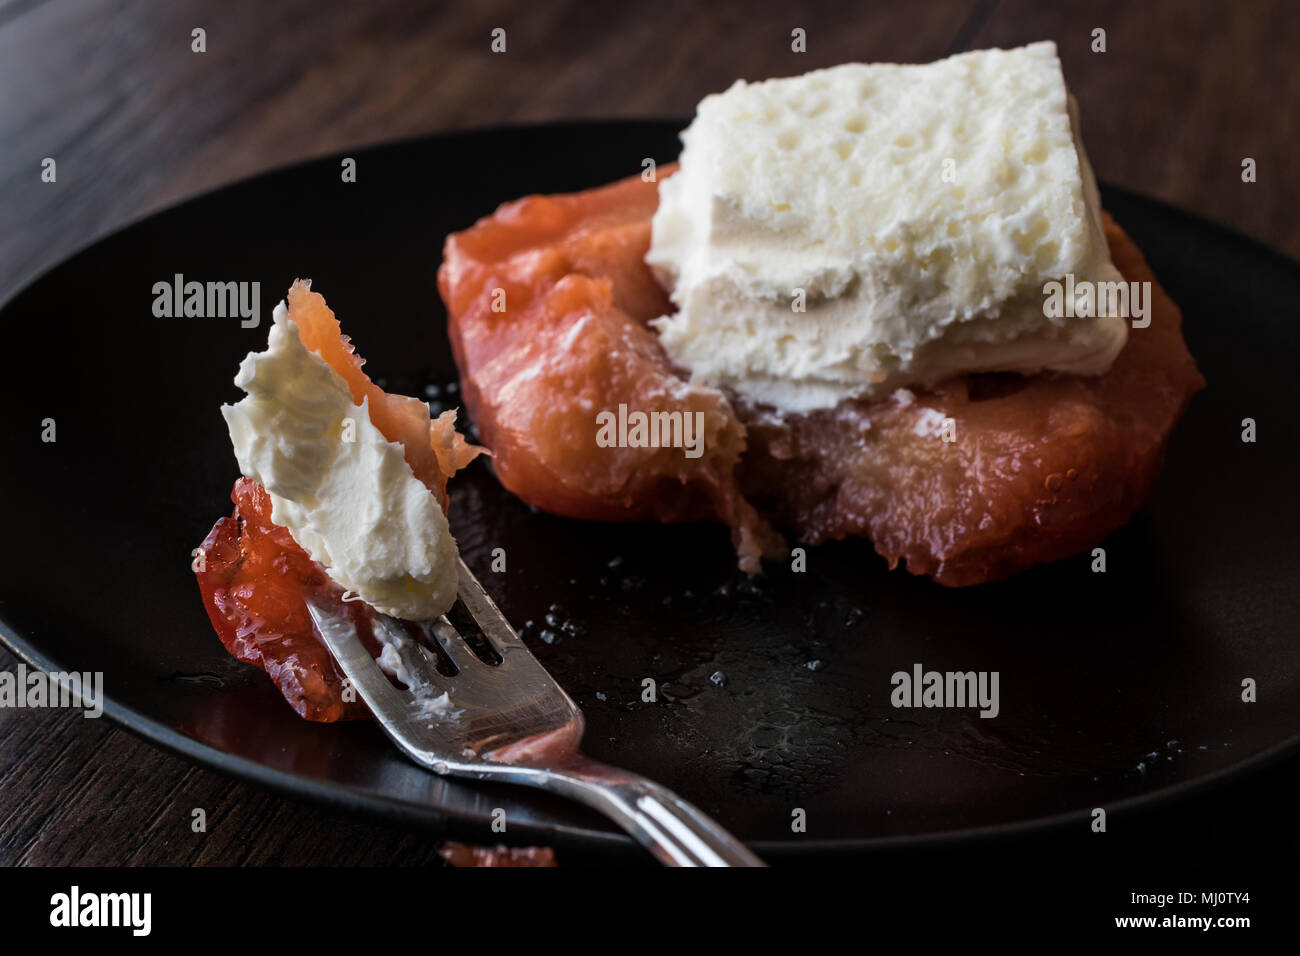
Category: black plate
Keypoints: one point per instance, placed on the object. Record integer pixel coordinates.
(1115, 687)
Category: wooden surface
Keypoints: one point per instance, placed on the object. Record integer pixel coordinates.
(136, 121)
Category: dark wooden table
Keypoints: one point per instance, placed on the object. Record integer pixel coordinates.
(135, 121)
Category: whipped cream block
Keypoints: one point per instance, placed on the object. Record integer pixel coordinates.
(867, 227)
(344, 491)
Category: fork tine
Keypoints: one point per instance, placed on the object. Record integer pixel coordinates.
(451, 641)
(486, 614)
(413, 657)
(341, 638)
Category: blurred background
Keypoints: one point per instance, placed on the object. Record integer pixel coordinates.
(136, 121)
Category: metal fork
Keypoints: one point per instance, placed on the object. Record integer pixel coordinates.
(511, 721)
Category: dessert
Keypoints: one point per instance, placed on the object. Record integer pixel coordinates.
(927, 395)
(918, 211)
(343, 498)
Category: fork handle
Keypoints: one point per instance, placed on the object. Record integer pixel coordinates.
(676, 832)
